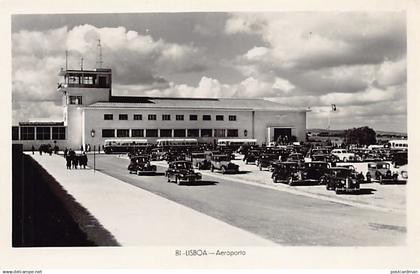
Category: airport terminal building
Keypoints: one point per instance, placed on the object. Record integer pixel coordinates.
(92, 114)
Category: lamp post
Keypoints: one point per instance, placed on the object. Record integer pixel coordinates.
(92, 133)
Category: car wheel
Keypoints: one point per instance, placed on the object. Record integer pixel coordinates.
(380, 178)
(223, 170)
(178, 181)
(290, 181)
(246, 162)
(274, 180)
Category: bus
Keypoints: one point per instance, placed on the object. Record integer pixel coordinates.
(398, 144)
(176, 143)
(235, 143)
(119, 145)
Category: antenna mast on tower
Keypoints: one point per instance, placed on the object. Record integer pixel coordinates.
(99, 61)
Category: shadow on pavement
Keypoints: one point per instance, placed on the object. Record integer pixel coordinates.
(202, 183)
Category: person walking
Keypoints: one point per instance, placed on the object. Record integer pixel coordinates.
(84, 160)
(40, 150)
(68, 161)
(65, 153)
(33, 150)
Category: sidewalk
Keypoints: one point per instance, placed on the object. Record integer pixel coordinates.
(136, 217)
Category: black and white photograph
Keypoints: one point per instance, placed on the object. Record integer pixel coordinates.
(210, 132)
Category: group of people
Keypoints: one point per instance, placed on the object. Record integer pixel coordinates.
(74, 160)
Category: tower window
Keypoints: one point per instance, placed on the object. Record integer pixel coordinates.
(219, 117)
(193, 117)
(123, 117)
(180, 117)
(137, 117)
(206, 117)
(75, 100)
(232, 117)
(166, 117)
(108, 117)
(151, 117)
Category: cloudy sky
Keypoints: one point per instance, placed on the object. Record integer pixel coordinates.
(314, 59)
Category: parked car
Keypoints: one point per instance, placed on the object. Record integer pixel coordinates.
(329, 158)
(141, 165)
(381, 171)
(182, 172)
(284, 172)
(342, 180)
(223, 163)
(265, 160)
(313, 171)
(198, 160)
(295, 157)
(343, 154)
(251, 156)
(402, 172)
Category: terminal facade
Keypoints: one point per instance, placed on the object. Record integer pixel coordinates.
(92, 114)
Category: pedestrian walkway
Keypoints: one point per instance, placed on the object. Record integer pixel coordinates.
(136, 217)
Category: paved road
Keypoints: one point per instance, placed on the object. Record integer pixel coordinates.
(281, 217)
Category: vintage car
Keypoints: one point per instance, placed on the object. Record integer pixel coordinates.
(402, 172)
(342, 180)
(157, 154)
(381, 171)
(343, 154)
(265, 160)
(141, 165)
(313, 171)
(284, 172)
(329, 158)
(400, 158)
(198, 160)
(295, 157)
(251, 156)
(174, 156)
(182, 172)
(223, 163)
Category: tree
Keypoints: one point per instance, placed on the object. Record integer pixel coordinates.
(360, 136)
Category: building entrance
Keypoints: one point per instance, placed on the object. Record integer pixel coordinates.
(282, 135)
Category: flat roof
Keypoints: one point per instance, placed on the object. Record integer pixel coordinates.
(41, 123)
(194, 103)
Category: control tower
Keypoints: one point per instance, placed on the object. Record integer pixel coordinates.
(81, 88)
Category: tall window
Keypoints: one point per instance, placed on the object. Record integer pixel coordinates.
(123, 133)
(206, 117)
(137, 132)
(75, 100)
(219, 117)
(232, 133)
(179, 132)
(151, 117)
(15, 133)
(58, 133)
(137, 117)
(166, 117)
(108, 133)
(206, 132)
(151, 133)
(219, 132)
(166, 133)
(193, 133)
(232, 117)
(123, 117)
(193, 117)
(27, 133)
(43, 133)
(108, 117)
(180, 117)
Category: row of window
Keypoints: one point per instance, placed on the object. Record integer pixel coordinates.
(177, 133)
(167, 117)
(41, 133)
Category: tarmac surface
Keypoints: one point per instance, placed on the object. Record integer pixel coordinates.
(283, 217)
(136, 217)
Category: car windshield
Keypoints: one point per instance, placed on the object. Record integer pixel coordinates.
(182, 165)
(223, 158)
(383, 166)
(141, 159)
(342, 172)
